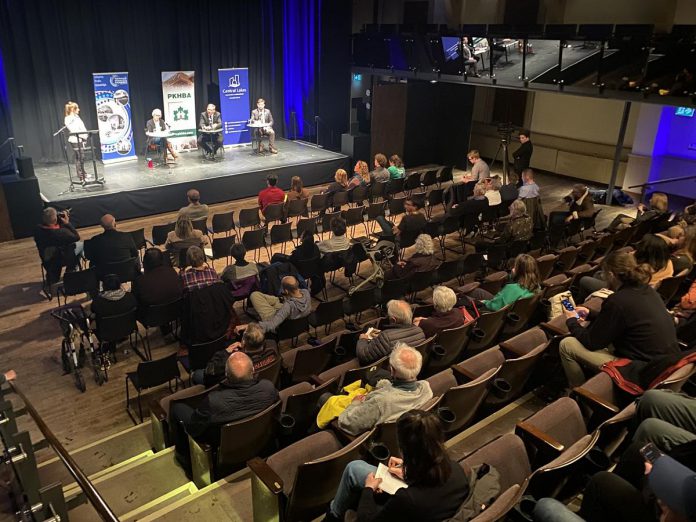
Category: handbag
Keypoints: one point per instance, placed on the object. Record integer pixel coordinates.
(556, 307)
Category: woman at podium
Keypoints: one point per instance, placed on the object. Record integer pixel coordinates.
(74, 123)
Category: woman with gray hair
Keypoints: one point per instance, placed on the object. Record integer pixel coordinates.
(445, 315)
(519, 227)
(422, 261)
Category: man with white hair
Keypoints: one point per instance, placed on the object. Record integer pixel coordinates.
(372, 347)
(156, 124)
(389, 399)
(445, 315)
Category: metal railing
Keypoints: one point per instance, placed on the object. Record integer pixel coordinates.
(92, 495)
(643, 186)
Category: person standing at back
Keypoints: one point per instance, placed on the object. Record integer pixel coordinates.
(523, 155)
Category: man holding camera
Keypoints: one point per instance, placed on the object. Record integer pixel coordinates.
(58, 244)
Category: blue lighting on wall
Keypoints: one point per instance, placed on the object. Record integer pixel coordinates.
(4, 102)
(301, 20)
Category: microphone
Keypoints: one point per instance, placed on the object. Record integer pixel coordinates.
(168, 126)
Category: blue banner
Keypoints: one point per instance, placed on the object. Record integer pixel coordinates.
(234, 105)
(114, 116)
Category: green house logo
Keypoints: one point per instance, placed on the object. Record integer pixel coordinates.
(181, 114)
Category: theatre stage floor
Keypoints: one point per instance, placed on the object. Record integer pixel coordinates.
(136, 190)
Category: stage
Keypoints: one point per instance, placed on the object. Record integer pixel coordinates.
(133, 190)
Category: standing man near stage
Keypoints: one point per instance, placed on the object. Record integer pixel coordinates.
(523, 155)
(210, 120)
(263, 115)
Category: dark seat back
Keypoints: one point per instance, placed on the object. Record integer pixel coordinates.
(159, 233)
(312, 360)
(303, 407)
(249, 217)
(270, 372)
(223, 222)
(452, 342)
(161, 314)
(199, 354)
(116, 327)
(80, 282)
(157, 372)
(486, 330)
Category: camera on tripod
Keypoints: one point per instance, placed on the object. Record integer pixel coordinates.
(505, 131)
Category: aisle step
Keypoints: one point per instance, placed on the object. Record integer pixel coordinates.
(140, 484)
(227, 500)
(100, 455)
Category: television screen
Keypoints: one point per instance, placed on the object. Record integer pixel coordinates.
(451, 47)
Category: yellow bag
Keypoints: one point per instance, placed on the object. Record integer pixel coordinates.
(333, 407)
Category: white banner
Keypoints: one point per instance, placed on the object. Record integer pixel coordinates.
(180, 108)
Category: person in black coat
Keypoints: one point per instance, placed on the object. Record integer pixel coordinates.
(111, 246)
(57, 242)
(239, 396)
(437, 485)
(114, 300)
(160, 284)
(523, 155)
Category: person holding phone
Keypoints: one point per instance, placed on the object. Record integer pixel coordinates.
(632, 323)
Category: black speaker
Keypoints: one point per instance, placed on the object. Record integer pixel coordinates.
(24, 205)
(25, 166)
(356, 147)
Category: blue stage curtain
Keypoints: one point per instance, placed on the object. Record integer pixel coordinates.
(301, 48)
(5, 121)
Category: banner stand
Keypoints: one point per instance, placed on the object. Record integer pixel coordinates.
(179, 110)
(112, 97)
(234, 105)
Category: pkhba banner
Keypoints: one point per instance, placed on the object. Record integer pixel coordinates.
(180, 108)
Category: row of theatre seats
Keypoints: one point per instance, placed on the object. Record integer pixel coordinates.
(473, 370)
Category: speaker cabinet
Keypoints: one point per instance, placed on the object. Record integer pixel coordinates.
(25, 166)
(24, 205)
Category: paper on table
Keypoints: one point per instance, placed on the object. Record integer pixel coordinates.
(390, 484)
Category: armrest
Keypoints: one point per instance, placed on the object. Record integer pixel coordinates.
(594, 401)
(315, 380)
(532, 434)
(553, 329)
(202, 465)
(344, 436)
(266, 475)
(507, 347)
(463, 375)
(157, 411)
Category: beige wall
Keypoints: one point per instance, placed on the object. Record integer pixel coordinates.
(587, 119)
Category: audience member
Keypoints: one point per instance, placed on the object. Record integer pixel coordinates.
(529, 188)
(373, 347)
(580, 204)
(195, 210)
(58, 243)
(422, 261)
(380, 172)
(437, 485)
(518, 227)
(412, 222)
(182, 237)
(473, 206)
(510, 192)
(338, 242)
(493, 191)
(632, 323)
(111, 246)
(263, 353)
(361, 176)
(197, 274)
(657, 206)
(241, 269)
(525, 282)
(113, 299)
(389, 399)
(685, 255)
(479, 168)
(445, 315)
(396, 167)
(339, 184)
(271, 194)
(239, 396)
(297, 190)
(159, 284)
(295, 303)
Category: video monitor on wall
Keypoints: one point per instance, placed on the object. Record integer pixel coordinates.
(453, 62)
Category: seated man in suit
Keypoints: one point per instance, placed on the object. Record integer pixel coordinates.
(210, 120)
(239, 396)
(262, 115)
(111, 246)
(156, 124)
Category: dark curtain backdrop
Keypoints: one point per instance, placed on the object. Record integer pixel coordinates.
(52, 48)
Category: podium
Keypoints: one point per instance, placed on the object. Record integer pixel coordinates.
(83, 152)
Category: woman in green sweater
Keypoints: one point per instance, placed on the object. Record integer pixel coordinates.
(396, 167)
(525, 282)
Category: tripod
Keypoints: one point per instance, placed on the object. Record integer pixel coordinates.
(503, 147)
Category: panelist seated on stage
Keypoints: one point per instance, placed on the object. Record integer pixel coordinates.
(262, 115)
(157, 125)
(210, 121)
